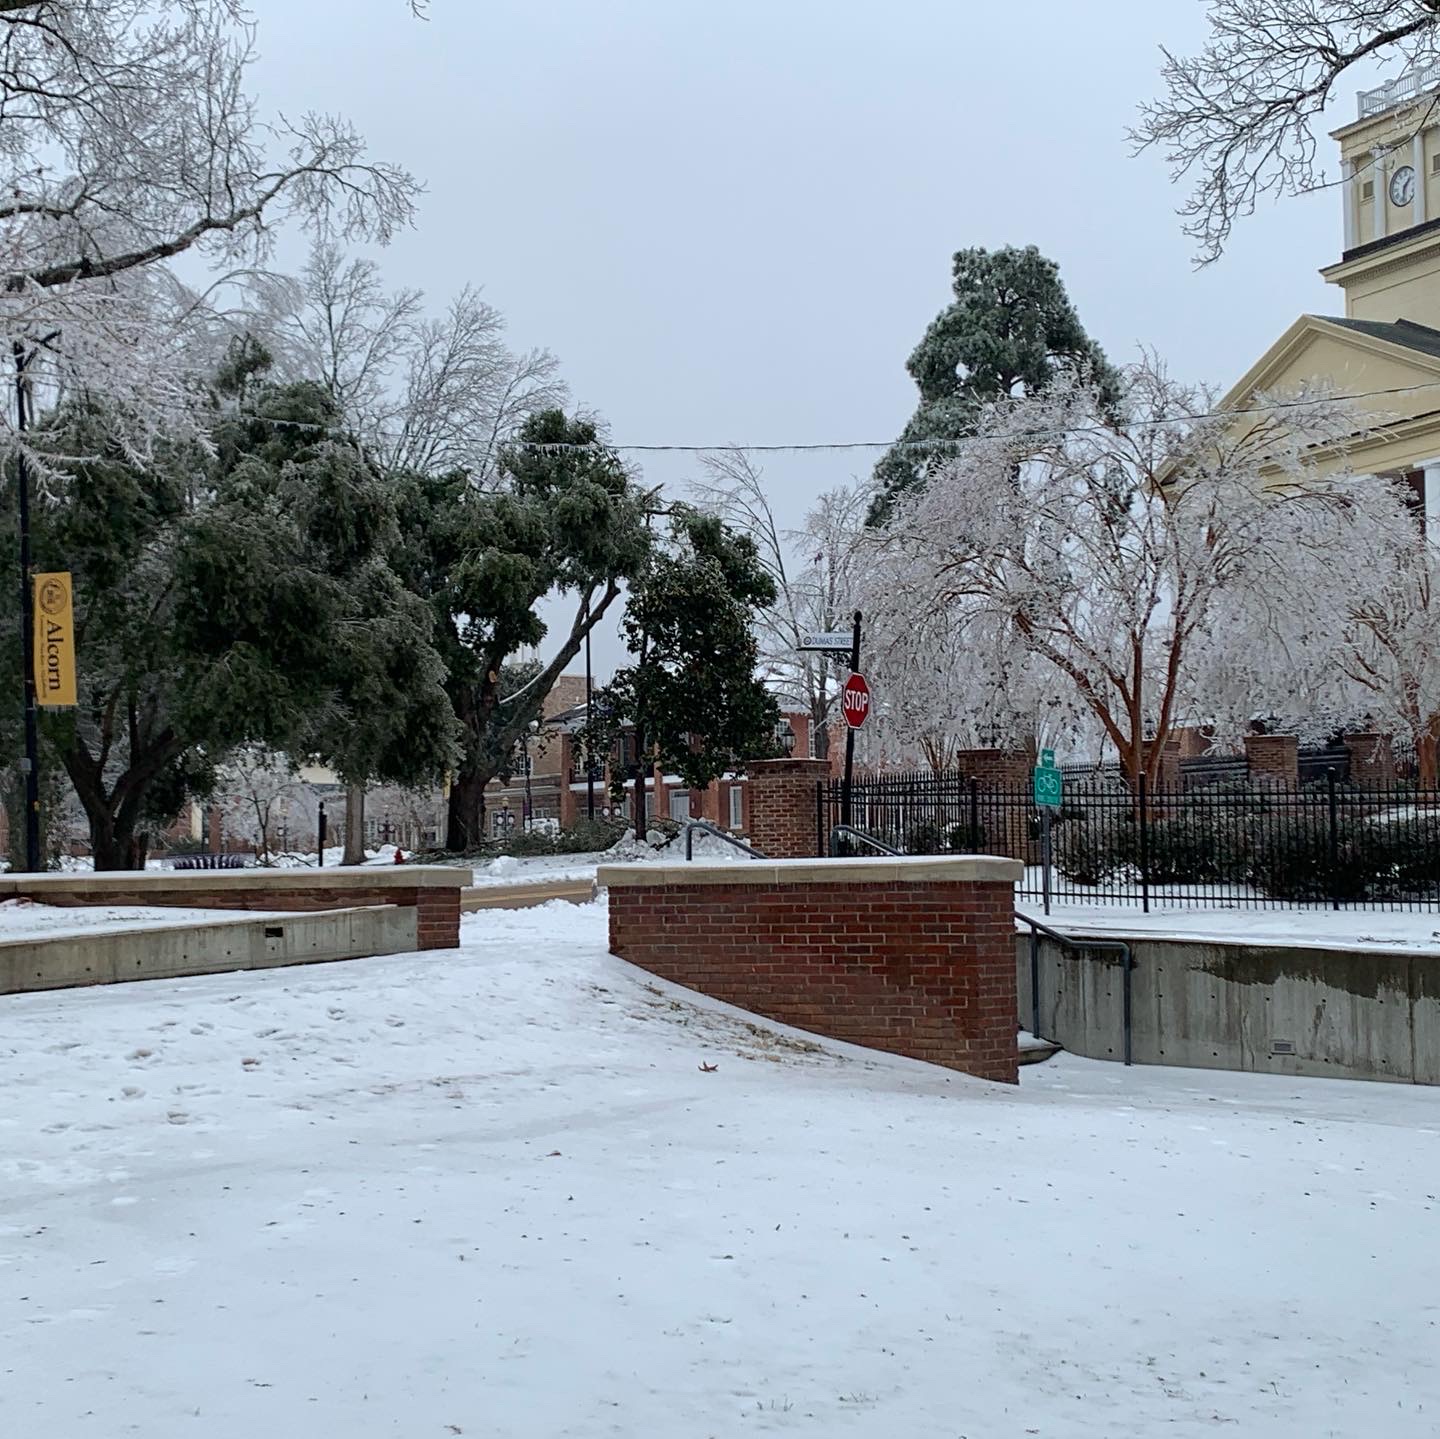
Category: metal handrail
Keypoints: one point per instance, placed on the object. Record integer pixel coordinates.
(1069, 941)
(853, 833)
(691, 825)
(1037, 928)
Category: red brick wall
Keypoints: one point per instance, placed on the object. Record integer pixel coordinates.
(1274, 759)
(1372, 759)
(437, 918)
(782, 817)
(920, 969)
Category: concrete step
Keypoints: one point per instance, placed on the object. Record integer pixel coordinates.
(1036, 1051)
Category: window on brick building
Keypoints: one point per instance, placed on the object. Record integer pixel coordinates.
(737, 807)
(679, 804)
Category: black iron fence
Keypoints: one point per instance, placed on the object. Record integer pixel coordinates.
(1325, 844)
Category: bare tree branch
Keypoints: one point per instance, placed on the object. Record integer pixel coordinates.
(1237, 119)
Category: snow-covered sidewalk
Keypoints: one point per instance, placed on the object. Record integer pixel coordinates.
(21, 919)
(504, 1193)
(1318, 928)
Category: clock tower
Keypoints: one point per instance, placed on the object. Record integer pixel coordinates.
(1390, 184)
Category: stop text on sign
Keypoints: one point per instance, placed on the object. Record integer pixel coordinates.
(855, 701)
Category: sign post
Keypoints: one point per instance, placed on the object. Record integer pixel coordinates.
(852, 726)
(1049, 791)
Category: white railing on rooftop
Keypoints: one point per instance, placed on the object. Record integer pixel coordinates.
(1400, 90)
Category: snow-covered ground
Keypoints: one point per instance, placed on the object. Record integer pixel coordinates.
(20, 919)
(523, 1190)
(1323, 928)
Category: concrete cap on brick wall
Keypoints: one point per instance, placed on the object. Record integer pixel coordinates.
(200, 882)
(772, 873)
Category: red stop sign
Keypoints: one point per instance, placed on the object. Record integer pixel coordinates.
(855, 701)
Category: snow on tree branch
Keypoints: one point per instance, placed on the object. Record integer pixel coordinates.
(424, 393)
(1066, 551)
(813, 569)
(128, 136)
(1237, 119)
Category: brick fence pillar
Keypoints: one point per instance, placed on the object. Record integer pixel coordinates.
(1372, 759)
(1005, 775)
(1167, 774)
(783, 819)
(1274, 759)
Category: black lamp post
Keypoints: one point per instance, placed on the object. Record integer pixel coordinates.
(525, 751)
(786, 738)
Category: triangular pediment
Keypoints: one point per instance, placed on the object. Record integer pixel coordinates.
(1384, 368)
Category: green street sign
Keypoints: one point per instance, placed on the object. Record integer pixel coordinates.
(1047, 759)
(1049, 786)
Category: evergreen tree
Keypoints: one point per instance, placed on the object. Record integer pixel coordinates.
(1011, 330)
(240, 596)
(564, 518)
(692, 696)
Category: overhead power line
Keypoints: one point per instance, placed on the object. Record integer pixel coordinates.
(841, 446)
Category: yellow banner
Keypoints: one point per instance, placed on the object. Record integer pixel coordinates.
(54, 641)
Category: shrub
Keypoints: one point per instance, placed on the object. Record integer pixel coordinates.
(1089, 854)
(1193, 849)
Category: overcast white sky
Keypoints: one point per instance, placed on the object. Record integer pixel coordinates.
(732, 222)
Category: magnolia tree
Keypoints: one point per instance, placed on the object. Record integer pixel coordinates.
(1102, 549)
(128, 135)
(815, 573)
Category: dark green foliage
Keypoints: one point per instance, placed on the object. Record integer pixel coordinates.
(1285, 855)
(939, 837)
(1089, 854)
(240, 595)
(692, 696)
(565, 517)
(1010, 330)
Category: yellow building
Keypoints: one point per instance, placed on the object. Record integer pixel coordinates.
(1386, 346)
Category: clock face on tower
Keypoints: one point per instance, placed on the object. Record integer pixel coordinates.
(1402, 186)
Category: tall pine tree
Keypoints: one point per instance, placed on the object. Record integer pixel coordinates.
(1011, 330)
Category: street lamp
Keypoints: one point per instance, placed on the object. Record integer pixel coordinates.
(786, 737)
(525, 751)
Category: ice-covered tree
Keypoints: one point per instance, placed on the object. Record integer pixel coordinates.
(253, 786)
(1238, 119)
(813, 570)
(425, 393)
(1011, 330)
(129, 134)
(1386, 598)
(229, 595)
(1102, 546)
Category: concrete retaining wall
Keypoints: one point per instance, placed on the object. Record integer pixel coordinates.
(1350, 1014)
(168, 952)
(432, 891)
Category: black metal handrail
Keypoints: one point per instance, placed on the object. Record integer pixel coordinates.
(1070, 941)
(705, 827)
(851, 832)
(1119, 946)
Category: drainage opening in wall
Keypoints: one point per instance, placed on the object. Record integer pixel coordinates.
(1282, 1046)
(274, 931)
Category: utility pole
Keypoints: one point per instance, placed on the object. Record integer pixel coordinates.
(30, 765)
(589, 739)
